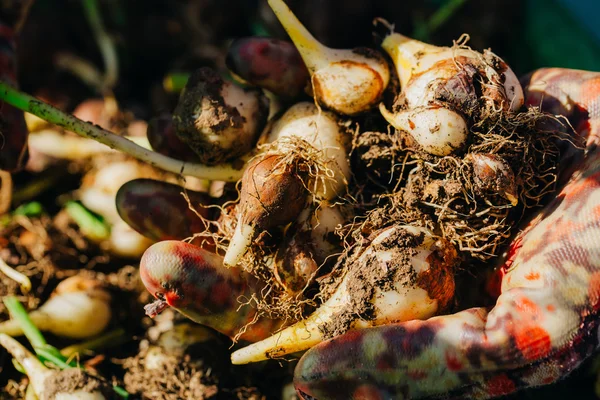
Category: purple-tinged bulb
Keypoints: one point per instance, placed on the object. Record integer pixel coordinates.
(195, 283)
(272, 64)
(159, 211)
(163, 139)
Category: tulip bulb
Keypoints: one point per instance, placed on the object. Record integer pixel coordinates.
(218, 120)
(272, 194)
(79, 308)
(413, 58)
(68, 384)
(321, 130)
(437, 130)
(159, 211)
(164, 140)
(398, 300)
(492, 174)
(348, 82)
(438, 91)
(308, 244)
(273, 191)
(269, 63)
(322, 225)
(195, 282)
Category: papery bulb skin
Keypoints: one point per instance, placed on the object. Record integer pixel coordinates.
(272, 194)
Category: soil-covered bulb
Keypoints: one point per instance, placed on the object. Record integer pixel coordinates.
(218, 120)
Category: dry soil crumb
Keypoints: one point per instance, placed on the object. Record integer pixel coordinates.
(73, 379)
(176, 379)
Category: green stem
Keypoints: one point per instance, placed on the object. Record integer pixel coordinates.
(438, 19)
(52, 354)
(443, 14)
(111, 338)
(27, 103)
(105, 43)
(18, 312)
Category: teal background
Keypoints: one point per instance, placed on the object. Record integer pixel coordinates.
(559, 33)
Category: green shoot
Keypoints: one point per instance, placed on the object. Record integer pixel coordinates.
(91, 225)
(424, 30)
(121, 392)
(51, 354)
(175, 81)
(18, 312)
(27, 103)
(259, 29)
(32, 209)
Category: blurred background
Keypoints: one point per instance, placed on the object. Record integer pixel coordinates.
(156, 37)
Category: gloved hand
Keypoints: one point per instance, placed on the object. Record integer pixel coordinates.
(545, 321)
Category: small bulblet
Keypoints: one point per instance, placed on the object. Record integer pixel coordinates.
(218, 120)
(492, 174)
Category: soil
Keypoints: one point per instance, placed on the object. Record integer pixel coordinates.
(176, 379)
(72, 379)
(154, 39)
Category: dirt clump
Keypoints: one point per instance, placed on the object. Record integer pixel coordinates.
(73, 379)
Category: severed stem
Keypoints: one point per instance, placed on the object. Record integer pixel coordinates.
(27, 103)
